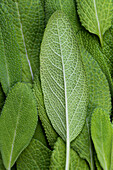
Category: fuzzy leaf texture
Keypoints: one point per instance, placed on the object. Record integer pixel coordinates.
(35, 156)
(49, 130)
(91, 44)
(67, 6)
(22, 27)
(10, 61)
(17, 123)
(58, 158)
(101, 132)
(63, 78)
(95, 15)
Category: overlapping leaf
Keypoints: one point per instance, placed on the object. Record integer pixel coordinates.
(17, 123)
(95, 15)
(50, 132)
(35, 156)
(101, 132)
(58, 158)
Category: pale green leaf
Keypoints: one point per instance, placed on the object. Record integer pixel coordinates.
(91, 44)
(50, 132)
(17, 123)
(58, 158)
(101, 132)
(67, 6)
(39, 134)
(63, 79)
(95, 15)
(35, 157)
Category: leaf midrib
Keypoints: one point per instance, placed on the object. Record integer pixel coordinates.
(21, 28)
(66, 105)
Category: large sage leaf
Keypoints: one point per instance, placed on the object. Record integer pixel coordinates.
(35, 156)
(59, 155)
(63, 79)
(101, 132)
(49, 130)
(17, 123)
(95, 15)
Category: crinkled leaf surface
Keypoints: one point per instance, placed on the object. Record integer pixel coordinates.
(91, 44)
(17, 123)
(10, 61)
(58, 158)
(35, 156)
(67, 6)
(101, 132)
(39, 134)
(95, 15)
(22, 27)
(50, 132)
(63, 79)
(99, 95)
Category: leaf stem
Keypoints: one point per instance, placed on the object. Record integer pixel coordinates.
(67, 155)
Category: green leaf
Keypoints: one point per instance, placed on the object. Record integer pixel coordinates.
(10, 61)
(111, 167)
(59, 155)
(83, 145)
(39, 134)
(1, 163)
(22, 27)
(95, 16)
(17, 123)
(63, 79)
(98, 87)
(91, 45)
(35, 156)
(50, 132)
(97, 163)
(67, 6)
(101, 132)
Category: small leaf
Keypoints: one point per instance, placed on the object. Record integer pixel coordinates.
(95, 15)
(49, 130)
(101, 132)
(17, 123)
(35, 156)
(58, 158)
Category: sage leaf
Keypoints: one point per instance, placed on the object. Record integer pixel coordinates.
(35, 156)
(95, 16)
(91, 45)
(58, 158)
(17, 123)
(49, 130)
(39, 134)
(101, 132)
(10, 61)
(63, 79)
(68, 7)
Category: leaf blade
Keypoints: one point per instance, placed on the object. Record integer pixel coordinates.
(14, 120)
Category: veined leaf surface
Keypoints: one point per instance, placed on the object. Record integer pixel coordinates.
(17, 123)
(101, 132)
(22, 27)
(67, 6)
(49, 130)
(59, 155)
(63, 79)
(35, 156)
(95, 15)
